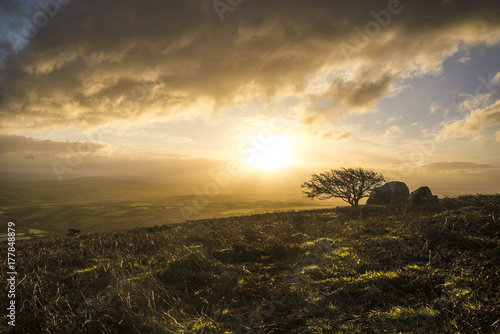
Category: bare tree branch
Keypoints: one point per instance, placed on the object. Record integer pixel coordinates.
(348, 184)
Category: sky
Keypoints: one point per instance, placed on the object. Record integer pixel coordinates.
(252, 95)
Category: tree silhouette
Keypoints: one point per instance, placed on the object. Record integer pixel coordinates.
(348, 184)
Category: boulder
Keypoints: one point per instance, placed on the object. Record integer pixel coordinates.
(390, 193)
(422, 196)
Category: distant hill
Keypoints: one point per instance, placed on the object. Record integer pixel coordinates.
(26, 189)
(83, 190)
(30, 177)
(104, 204)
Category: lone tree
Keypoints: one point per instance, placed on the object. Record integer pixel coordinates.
(349, 184)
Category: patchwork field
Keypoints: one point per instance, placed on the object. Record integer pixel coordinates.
(91, 205)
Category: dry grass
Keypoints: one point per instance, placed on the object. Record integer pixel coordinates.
(394, 270)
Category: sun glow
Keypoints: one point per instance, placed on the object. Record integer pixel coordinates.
(268, 153)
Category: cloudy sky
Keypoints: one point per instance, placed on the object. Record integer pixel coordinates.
(191, 90)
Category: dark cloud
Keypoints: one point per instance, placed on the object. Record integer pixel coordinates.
(96, 61)
(12, 144)
(9, 6)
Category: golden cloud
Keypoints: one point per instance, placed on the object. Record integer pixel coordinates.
(100, 61)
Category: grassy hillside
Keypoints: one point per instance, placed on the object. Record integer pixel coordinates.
(432, 270)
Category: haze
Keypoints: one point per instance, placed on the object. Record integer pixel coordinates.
(253, 96)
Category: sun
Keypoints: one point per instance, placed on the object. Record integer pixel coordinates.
(268, 153)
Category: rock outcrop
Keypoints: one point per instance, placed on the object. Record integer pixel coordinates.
(422, 196)
(390, 193)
